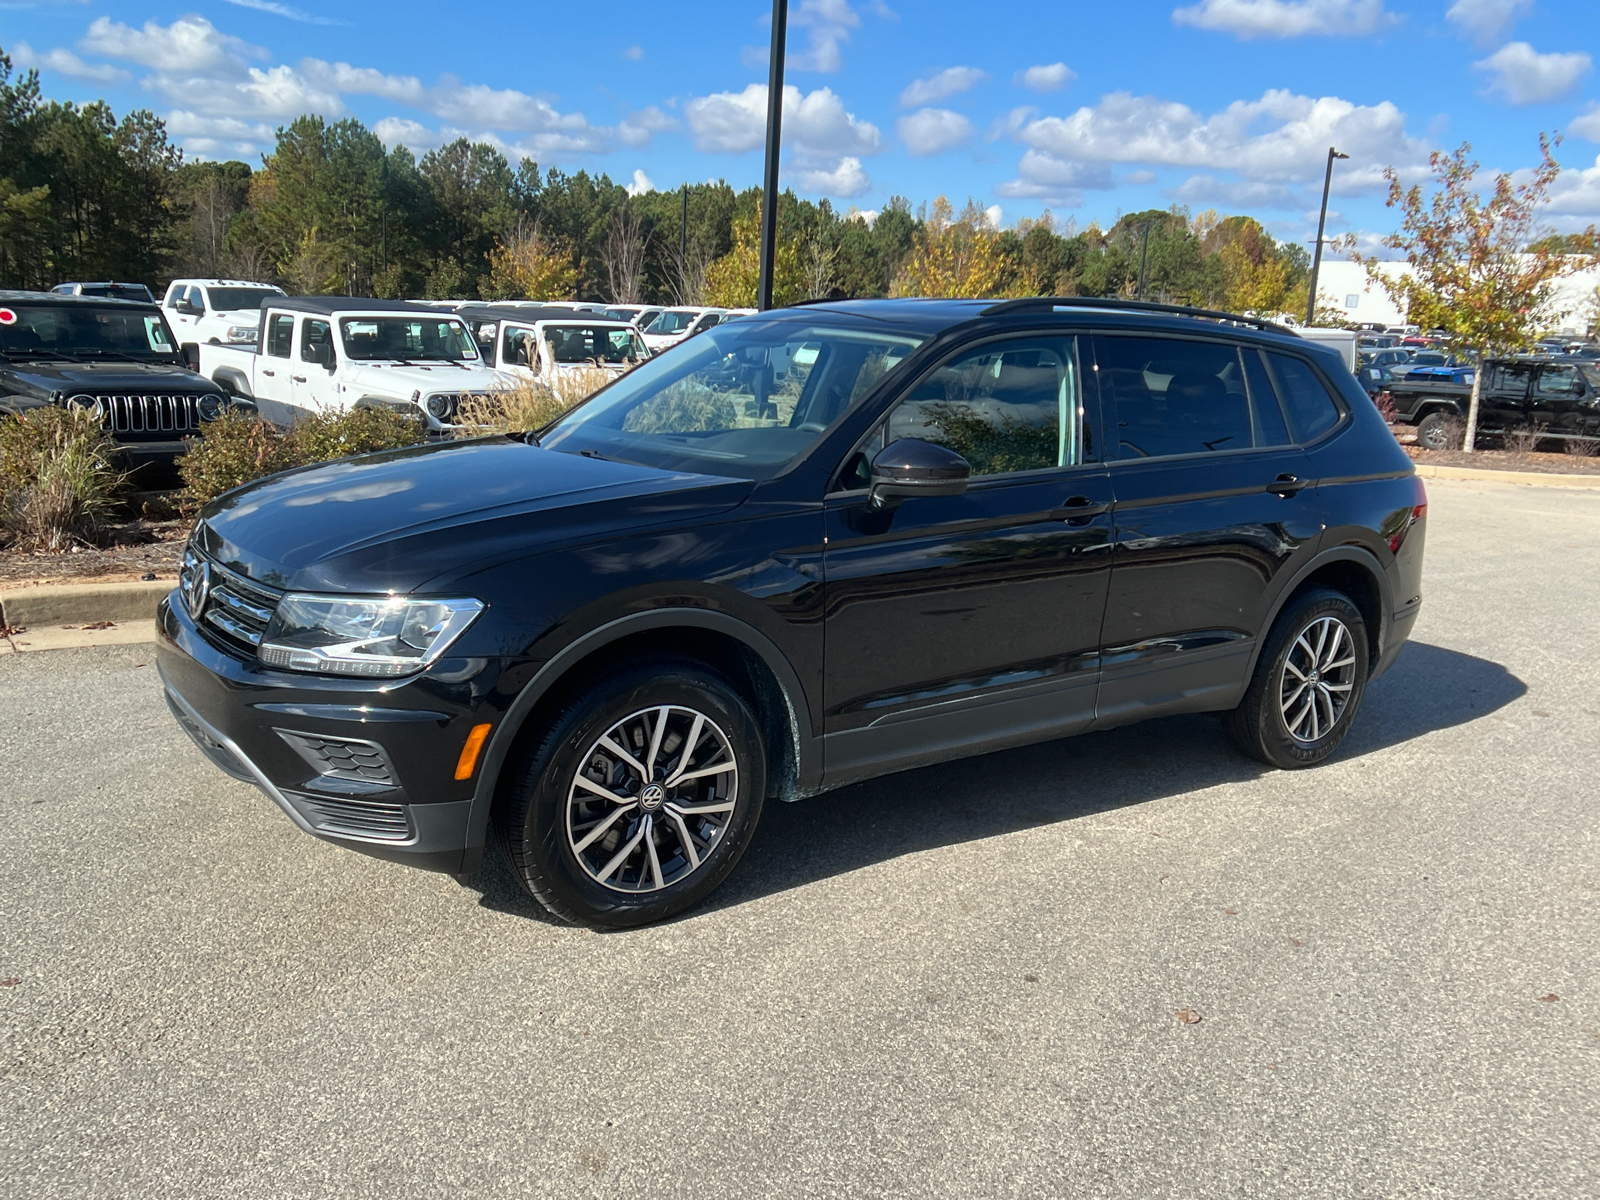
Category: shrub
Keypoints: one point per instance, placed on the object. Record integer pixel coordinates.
(237, 449)
(527, 406)
(1524, 440)
(57, 482)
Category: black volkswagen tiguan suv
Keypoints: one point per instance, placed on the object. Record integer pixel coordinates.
(807, 547)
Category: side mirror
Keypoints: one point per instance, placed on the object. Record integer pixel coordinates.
(908, 468)
(191, 356)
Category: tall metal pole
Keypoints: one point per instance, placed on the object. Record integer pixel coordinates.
(1322, 221)
(769, 181)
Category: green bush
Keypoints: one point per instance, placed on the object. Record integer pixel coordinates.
(57, 481)
(237, 449)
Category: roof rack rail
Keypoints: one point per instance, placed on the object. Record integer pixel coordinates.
(1036, 303)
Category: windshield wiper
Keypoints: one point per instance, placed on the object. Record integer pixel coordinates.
(31, 352)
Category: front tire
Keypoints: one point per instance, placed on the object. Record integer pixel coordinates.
(1436, 431)
(1307, 685)
(638, 797)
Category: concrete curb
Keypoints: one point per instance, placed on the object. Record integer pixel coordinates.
(60, 604)
(1487, 475)
(75, 638)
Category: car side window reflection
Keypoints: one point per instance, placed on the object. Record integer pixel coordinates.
(1185, 396)
(1006, 406)
(280, 335)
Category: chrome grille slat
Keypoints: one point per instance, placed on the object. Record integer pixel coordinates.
(151, 414)
(237, 610)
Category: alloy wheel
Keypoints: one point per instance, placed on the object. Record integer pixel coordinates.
(1318, 675)
(652, 799)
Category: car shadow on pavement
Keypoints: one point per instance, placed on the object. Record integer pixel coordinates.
(1429, 688)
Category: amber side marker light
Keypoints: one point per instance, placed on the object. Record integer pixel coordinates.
(469, 753)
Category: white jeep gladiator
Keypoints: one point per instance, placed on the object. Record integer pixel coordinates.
(321, 354)
(557, 352)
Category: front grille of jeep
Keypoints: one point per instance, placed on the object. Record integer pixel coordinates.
(146, 417)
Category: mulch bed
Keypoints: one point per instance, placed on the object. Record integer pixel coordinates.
(1505, 460)
(139, 548)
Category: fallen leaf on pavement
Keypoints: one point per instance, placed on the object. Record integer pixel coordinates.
(99, 625)
(1188, 1016)
(9, 982)
(1232, 912)
(1294, 941)
(1550, 997)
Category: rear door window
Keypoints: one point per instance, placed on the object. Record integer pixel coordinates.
(1311, 409)
(1560, 383)
(1184, 396)
(280, 335)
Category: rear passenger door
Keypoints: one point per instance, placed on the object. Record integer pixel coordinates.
(1213, 514)
(1504, 403)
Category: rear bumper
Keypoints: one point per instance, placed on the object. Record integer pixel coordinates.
(265, 727)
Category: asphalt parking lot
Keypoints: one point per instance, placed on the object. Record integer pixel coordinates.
(956, 982)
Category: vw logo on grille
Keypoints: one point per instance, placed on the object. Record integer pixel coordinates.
(194, 581)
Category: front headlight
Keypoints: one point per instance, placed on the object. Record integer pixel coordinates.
(339, 636)
(242, 333)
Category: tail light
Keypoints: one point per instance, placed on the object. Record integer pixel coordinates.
(1419, 510)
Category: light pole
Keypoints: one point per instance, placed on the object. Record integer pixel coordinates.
(769, 182)
(1322, 220)
(1144, 256)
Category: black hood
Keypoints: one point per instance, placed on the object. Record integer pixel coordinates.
(404, 519)
(45, 376)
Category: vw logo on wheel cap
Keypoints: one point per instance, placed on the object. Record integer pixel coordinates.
(652, 796)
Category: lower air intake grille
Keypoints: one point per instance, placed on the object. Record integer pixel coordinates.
(355, 818)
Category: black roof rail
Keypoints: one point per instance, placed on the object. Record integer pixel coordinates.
(1051, 303)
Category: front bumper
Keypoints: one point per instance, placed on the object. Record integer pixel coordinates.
(365, 764)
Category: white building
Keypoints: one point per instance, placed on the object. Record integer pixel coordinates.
(1573, 304)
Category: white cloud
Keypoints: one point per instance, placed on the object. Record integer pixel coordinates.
(401, 131)
(830, 23)
(633, 53)
(949, 82)
(1281, 137)
(1587, 123)
(1574, 196)
(992, 215)
(1486, 20)
(211, 137)
(64, 62)
(1287, 18)
(1043, 177)
(815, 126)
(1232, 194)
(847, 179)
(1522, 75)
(640, 185)
(1051, 77)
(637, 129)
(284, 10)
(933, 131)
(188, 44)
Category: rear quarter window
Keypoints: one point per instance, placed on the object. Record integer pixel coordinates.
(1310, 408)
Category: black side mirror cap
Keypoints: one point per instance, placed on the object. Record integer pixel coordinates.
(191, 356)
(909, 467)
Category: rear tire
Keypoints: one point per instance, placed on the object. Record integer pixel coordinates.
(1434, 431)
(1307, 685)
(599, 827)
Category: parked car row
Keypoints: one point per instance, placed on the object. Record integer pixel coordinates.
(1562, 398)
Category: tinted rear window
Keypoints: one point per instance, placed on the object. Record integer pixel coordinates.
(1311, 409)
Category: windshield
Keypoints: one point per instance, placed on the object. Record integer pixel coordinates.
(1591, 372)
(228, 299)
(407, 338)
(741, 400)
(1430, 358)
(117, 291)
(594, 343)
(82, 330)
(672, 321)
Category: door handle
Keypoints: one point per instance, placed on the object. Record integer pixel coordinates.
(264, 371)
(298, 378)
(1285, 485)
(1077, 510)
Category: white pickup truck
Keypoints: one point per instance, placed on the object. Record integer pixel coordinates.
(321, 354)
(553, 348)
(216, 310)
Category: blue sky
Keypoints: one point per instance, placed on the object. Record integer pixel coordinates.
(1087, 109)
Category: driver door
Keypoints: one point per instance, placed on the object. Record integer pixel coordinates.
(519, 351)
(973, 619)
(315, 388)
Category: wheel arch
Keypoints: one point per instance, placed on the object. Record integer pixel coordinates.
(1429, 405)
(1353, 570)
(747, 655)
(233, 380)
